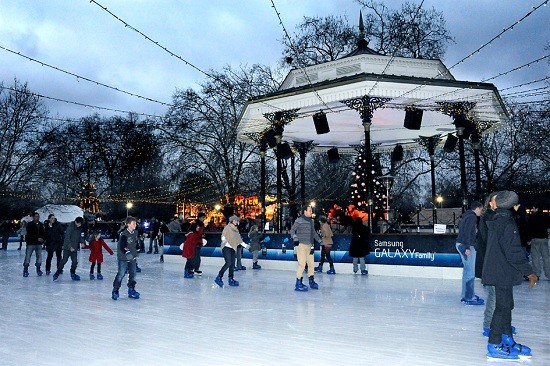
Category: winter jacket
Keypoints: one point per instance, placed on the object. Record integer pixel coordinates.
(505, 263)
(96, 254)
(359, 245)
(193, 242)
(232, 236)
(481, 241)
(35, 231)
(54, 236)
(303, 231)
(127, 241)
(467, 229)
(255, 238)
(73, 237)
(326, 234)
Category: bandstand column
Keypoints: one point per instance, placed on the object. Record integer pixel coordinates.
(263, 150)
(366, 106)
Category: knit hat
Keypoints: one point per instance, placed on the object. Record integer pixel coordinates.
(506, 199)
(233, 218)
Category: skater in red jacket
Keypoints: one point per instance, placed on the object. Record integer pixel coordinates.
(96, 254)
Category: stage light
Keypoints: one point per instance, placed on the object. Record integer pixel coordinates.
(413, 118)
(321, 123)
(333, 155)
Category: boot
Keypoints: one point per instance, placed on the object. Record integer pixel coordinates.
(255, 265)
(92, 277)
(99, 276)
(75, 277)
(522, 351)
(319, 268)
(188, 274)
(312, 283)
(26, 271)
(56, 275)
(233, 282)
(162, 258)
(38, 271)
(132, 293)
(331, 271)
(115, 295)
(299, 285)
(219, 281)
(501, 352)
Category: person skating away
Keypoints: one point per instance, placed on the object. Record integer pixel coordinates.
(153, 239)
(192, 245)
(162, 232)
(96, 254)
(127, 252)
(504, 266)
(231, 240)
(359, 246)
(73, 238)
(465, 245)
(255, 238)
(537, 233)
(54, 241)
(304, 231)
(326, 246)
(34, 240)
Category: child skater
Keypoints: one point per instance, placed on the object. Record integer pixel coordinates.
(96, 254)
(231, 239)
(255, 238)
(326, 246)
(191, 250)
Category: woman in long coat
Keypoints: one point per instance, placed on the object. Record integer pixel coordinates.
(359, 247)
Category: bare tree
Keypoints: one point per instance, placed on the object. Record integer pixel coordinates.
(200, 130)
(411, 31)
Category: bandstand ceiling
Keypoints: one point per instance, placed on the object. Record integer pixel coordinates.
(402, 82)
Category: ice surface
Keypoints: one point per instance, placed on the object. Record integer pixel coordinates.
(350, 320)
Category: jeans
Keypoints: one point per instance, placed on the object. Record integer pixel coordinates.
(490, 304)
(229, 258)
(361, 262)
(74, 260)
(124, 265)
(468, 273)
(239, 256)
(50, 257)
(28, 254)
(539, 250)
(502, 317)
(153, 241)
(325, 255)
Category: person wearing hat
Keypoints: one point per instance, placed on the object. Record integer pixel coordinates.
(504, 266)
(465, 245)
(231, 239)
(304, 231)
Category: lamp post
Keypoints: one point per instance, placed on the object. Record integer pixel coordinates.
(129, 205)
(439, 200)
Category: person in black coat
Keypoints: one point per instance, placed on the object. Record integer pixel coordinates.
(54, 241)
(359, 247)
(34, 239)
(504, 267)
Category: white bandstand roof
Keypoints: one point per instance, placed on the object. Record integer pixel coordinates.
(405, 82)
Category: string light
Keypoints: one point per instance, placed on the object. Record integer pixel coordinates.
(78, 77)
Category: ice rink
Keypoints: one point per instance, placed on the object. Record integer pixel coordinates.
(350, 320)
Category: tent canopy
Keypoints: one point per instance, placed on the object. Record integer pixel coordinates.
(63, 213)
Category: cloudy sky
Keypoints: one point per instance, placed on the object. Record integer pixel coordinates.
(80, 37)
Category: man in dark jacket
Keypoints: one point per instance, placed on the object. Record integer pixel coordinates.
(54, 241)
(127, 252)
(504, 267)
(465, 244)
(74, 236)
(34, 239)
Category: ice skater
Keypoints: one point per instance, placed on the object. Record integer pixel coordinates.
(465, 245)
(73, 238)
(326, 246)
(191, 250)
(255, 238)
(359, 246)
(96, 254)
(231, 240)
(504, 266)
(127, 251)
(304, 231)
(34, 240)
(54, 241)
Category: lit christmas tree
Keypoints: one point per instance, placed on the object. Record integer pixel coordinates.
(359, 187)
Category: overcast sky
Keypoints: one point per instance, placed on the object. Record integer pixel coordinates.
(80, 37)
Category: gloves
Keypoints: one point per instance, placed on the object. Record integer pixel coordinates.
(532, 280)
(245, 245)
(312, 250)
(204, 241)
(129, 255)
